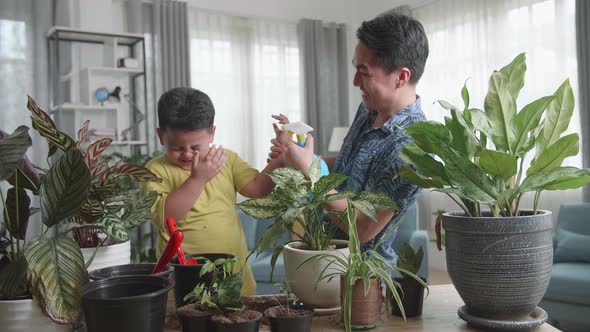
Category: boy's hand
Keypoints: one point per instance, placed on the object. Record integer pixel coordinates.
(210, 166)
(283, 119)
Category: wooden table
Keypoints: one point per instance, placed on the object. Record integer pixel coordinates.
(439, 314)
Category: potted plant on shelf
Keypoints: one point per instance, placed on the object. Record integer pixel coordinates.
(498, 259)
(112, 206)
(412, 290)
(297, 200)
(361, 275)
(289, 317)
(216, 306)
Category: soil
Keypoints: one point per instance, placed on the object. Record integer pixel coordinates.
(189, 310)
(304, 246)
(237, 317)
(282, 312)
(262, 302)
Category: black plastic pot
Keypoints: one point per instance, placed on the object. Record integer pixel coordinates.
(195, 322)
(249, 326)
(291, 324)
(126, 304)
(412, 299)
(129, 270)
(186, 277)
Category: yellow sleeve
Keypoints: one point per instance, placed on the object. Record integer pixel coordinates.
(161, 188)
(242, 172)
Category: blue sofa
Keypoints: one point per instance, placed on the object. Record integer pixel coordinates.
(567, 300)
(408, 231)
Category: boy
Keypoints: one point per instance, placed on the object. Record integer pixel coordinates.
(199, 182)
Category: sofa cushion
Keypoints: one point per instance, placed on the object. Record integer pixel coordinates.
(571, 247)
(261, 267)
(570, 283)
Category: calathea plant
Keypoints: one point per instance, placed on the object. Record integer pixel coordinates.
(477, 157)
(299, 200)
(113, 205)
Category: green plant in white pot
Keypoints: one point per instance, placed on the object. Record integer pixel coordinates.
(297, 200)
(112, 206)
(499, 255)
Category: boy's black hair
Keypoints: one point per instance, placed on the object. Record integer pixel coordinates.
(185, 109)
(398, 41)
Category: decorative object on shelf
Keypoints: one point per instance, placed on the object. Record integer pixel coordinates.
(101, 95)
(128, 63)
(100, 133)
(116, 93)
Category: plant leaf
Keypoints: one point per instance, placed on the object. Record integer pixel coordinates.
(327, 183)
(114, 227)
(46, 128)
(498, 163)
(465, 96)
(553, 177)
(82, 134)
(94, 150)
(463, 139)
(281, 176)
(527, 120)
(514, 72)
(56, 273)
(500, 109)
(567, 182)
(138, 173)
(12, 149)
(554, 155)
(420, 180)
(315, 170)
(65, 189)
(26, 176)
(446, 105)
(263, 208)
(425, 165)
(557, 117)
(13, 279)
(17, 213)
(429, 135)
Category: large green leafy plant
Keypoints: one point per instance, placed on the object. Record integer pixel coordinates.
(50, 268)
(361, 266)
(477, 157)
(299, 200)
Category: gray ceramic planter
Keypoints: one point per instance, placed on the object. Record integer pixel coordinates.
(500, 266)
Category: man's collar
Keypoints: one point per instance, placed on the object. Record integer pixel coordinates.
(390, 125)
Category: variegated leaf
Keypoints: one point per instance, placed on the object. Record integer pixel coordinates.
(280, 176)
(65, 189)
(327, 183)
(140, 211)
(12, 150)
(138, 173)
(39, 113)
(315, 170)
(263, 208)
(16, 213)
(56, 273)
(82, 134)
(26, 176)
(94, 150)
(379, 200)
(113, 227)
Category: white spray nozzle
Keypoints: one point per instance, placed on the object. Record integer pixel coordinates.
(300, 129)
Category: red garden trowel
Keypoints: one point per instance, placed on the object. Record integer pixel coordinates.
(173, 248)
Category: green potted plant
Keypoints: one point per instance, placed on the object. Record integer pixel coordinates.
(289, 317)
(361, 276)
(216, 306)
(412, 290)
(112, 206)
(499, 255)
(297, 200)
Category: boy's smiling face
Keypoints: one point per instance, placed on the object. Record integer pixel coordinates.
(181, 145)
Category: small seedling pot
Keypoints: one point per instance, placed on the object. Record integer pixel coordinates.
(250, 325)
(193, 320)
(127, 303)
(412, 297)
(300, 322)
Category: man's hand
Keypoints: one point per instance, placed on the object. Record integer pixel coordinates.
(206, 169)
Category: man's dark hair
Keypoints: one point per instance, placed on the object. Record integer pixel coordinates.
(185, 109)
(398, 41)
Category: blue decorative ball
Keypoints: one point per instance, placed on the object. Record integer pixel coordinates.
(102, 94)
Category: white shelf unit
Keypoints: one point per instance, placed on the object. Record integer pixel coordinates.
(93, 65)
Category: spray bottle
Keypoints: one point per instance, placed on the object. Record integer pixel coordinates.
(300, 129)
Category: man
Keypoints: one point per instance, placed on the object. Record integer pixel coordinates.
(389, 58)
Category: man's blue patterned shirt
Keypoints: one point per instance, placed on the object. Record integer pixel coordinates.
(370, 157)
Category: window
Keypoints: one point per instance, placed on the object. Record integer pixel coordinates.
(250, 69)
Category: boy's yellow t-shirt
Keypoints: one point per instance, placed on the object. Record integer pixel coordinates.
(212, 224)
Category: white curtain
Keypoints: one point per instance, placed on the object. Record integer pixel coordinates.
(250, 69)
(470, 38)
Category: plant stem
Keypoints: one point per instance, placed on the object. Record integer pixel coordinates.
(7, 221)
(460, 205)
(536, 203)
(516, 212)
(519, 173)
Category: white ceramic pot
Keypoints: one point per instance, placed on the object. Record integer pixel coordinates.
(327, 294)
(25, 315)
(111, 255)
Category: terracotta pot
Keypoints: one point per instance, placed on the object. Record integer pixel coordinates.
(364, 310)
